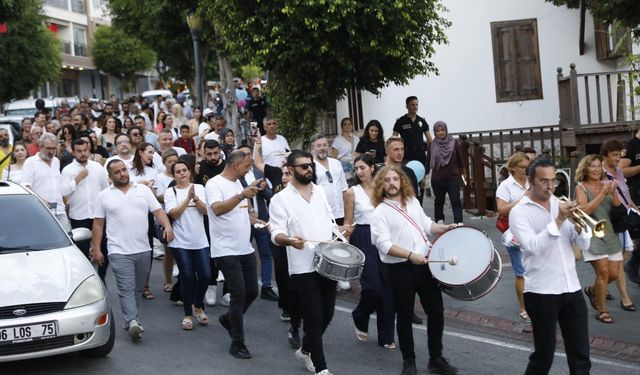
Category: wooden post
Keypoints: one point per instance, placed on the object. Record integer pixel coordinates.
(479, 180)
(575, 100)
(464, 148)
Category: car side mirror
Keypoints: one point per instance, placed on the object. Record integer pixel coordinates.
(80, 234)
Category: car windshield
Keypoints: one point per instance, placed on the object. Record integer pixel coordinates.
(28, 225)
(26, 112)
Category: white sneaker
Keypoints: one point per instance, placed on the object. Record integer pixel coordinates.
(220, 277)
(306, 360)
(176, 271)
(210, 296)
(135, 330)
(344, 285)
(225, 300)
(324, 372)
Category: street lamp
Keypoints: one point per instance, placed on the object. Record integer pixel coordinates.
(195, 26)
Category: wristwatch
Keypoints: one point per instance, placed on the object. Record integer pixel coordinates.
(241, 196)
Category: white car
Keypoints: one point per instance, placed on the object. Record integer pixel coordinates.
(52, 301)
(151, 94)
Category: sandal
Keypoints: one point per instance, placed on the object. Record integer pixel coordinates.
(187, 324)
(201, 317)
(604, 317)
(587, 291)
(390, 346)
(524, 316)
(361, 336)
(630, 307)
(609, 297)
(146, 294)
(168, 288)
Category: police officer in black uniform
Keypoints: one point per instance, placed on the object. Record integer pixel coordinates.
(411, 127)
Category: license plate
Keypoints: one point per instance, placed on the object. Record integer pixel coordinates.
(27, 333)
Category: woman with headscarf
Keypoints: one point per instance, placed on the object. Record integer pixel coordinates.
(444, 159)
(227, 141)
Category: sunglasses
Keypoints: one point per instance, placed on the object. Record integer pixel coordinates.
(305, 165)
(329, 177)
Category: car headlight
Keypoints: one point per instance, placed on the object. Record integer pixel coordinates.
(90, 291)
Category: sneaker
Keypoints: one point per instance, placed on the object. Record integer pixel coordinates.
(632, 275)
(416, 319)
(440, 365)
(220, 277)
(210, 295)
(239, 351)
(306, 360)
(226, 300)
(294, 338)
(324, 372)
(285, 316)
(176, 271)
(157, 253)
(135, 330)
(268, 294)
(409, 367)
(344, 285)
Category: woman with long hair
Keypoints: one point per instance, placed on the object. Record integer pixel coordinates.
(611, 151)
(375, 295)
(596, 197)
(372, 141)
(127, 123)
(110, 128)
(194, 123)
(509, 193)
(13, 172)
(160, 122)
(143, 171)
(345, 146)
(444, 159)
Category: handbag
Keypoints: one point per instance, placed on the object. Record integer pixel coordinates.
(619, 218)
(502, 224)
(632, 219)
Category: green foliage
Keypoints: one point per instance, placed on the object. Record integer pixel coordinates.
(29, 52)
(250, 72)
(316, 49)
(119, 54)
(626, 12)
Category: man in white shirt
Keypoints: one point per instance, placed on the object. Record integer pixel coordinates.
(216, 124)
(274, 146)
(165, 142)
(297, 213)
(126, 207)
(125, 113)
(552, 292)
(87, 178)
(399, 230)
(123, 151)
(41, 173)
(230, 228)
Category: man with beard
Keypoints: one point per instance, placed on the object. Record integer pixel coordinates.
(299, 212)
(123, 151)
(126, 207)
(86, 178)
(399, 230)
(41, 173)
(212, 165)
(5, 149)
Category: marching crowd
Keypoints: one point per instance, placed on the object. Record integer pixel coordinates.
(146, 176)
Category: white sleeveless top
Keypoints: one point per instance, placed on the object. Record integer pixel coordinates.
(363, 210)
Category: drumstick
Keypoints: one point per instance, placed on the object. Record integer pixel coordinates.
(453, 261)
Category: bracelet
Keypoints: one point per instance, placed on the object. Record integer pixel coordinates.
(409, 256)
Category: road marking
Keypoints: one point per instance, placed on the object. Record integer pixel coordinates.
(506, 344)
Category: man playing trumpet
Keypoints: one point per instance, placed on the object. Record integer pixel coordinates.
(552, 289)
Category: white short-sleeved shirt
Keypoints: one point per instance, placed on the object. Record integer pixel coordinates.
(127, 162)
(273, 150)
(213, 135)
(162, 183)
(127, 215)
(510, 190)
(344, 148)
(230, 232)
(188, 229)
(148, 174)
(333, 189)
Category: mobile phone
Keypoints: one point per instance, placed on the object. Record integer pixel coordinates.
(254, 129)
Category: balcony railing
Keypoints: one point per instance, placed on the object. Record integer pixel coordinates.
(62, 4)
(65, 47)
(80, 49)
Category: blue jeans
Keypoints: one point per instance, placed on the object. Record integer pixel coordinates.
(515, 254)
(195, 274)
(266, 260)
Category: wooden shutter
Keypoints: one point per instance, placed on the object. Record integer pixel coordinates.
(516, 60)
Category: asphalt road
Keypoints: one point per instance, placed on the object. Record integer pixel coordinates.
(167, 349)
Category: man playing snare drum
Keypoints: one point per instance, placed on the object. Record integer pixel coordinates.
(399, 230)
(300, 217)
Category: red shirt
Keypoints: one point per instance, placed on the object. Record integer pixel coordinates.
(33, 148)
(189, 145)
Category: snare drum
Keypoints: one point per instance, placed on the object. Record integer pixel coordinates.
(338, 261)
(479, 266)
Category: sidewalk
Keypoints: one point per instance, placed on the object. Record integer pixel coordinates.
(498, 311)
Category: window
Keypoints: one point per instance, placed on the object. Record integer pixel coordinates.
(77, 6)
(79, 41)
(516, 60)
(610, 41)
(62, 4)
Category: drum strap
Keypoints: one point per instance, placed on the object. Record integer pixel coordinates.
(410, 220)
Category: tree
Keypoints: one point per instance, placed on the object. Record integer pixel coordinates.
(625, 12)
(119, 54)
(315, 50)
(29, 52)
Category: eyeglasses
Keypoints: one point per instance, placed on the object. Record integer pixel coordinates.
(550, 183)
(305, 165)
(329, 177)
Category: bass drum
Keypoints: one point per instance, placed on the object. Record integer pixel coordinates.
(479, 266)
(338, 261)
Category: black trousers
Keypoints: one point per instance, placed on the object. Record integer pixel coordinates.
(240, 276)
(407, 279)
(570, 312)
(289, 302)
(440, 189)
(318, 301)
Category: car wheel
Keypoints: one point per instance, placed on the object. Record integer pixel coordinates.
(105, 349)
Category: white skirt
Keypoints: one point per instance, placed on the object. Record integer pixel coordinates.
(588, 256)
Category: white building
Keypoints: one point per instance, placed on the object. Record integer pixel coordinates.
(498, 70)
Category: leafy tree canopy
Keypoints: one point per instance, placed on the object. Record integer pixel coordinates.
(626, 12)
(29, 52)
(120, 54)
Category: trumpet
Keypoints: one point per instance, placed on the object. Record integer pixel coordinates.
(583, 220)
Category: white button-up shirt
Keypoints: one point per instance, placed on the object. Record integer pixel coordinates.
(547, 254)
(82, 198)
(510, 190)
(333, 189)
(290, 214)
(46, 181)
(389, 228)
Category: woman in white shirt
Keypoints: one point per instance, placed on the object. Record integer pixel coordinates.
(185, 204)
(13, 171)
(143, 171)
(376, 295)
(345, 146)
